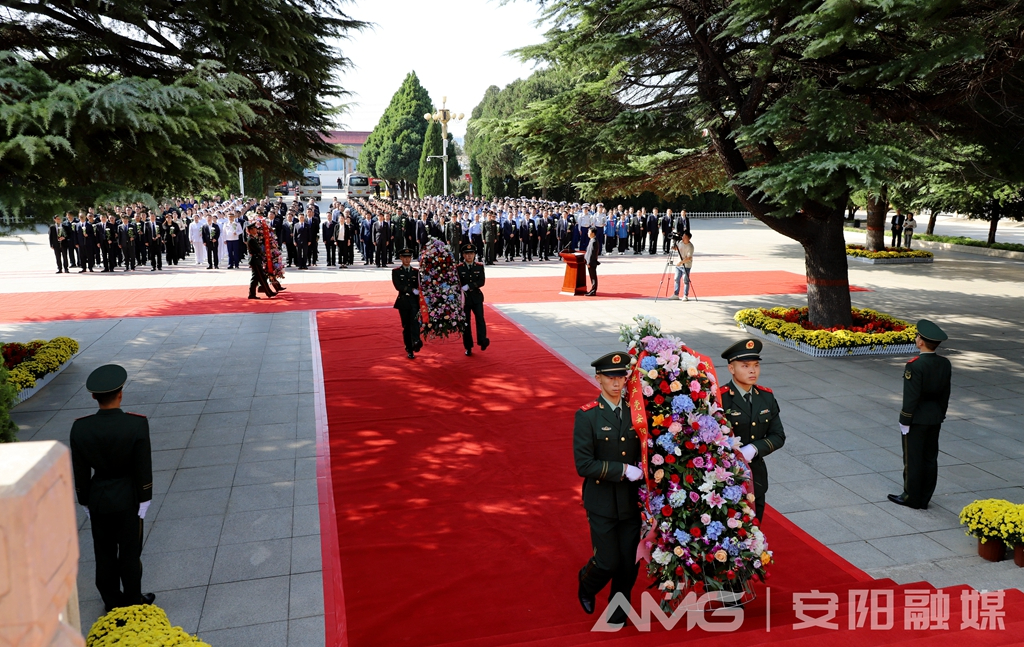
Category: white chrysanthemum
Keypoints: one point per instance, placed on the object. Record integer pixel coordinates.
(661, 557)
(687, 361)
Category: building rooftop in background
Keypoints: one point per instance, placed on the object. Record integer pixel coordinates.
(347, 137)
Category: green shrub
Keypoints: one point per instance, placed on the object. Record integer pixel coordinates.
(972, 242)
(8, 430)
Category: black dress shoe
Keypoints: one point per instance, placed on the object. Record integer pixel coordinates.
(469, 351)
(148, 598)
(411, 356)
(484, 344)
(419, 346)
(586, 601)
(899, 499)
(253, 296)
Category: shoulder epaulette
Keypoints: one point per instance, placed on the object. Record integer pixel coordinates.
(722, 390)
(478, 263)
(764, 388)
(913, 359)
(135, 414)
(588, 406)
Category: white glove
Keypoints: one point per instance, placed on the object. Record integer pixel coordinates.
(633, 473)
(415, 291)
(465, 288)
(749, 452)
(86, 510)
(143, 507)
(904, 429)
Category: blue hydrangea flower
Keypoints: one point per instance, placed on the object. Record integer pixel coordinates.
(731, 548)
(708, 424)
(658, 502)
(649, 363)
(733, 493)
(682, 536)
(682, 404)
(677, 498)
(665, 442)
(715, 529)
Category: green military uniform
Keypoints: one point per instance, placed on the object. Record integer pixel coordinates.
(604, 444)
(755, 421)
(926, 387)
(406, 280)
(490, 235)
(471, 275)
(113, 470)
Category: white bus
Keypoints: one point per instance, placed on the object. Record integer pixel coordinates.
(309, 187)
(357, 185)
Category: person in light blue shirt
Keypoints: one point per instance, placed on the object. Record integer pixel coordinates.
(622, 229)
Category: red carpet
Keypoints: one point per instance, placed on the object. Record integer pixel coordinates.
(160, 302)
(457, 504)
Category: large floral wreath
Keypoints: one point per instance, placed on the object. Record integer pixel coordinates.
(700, 531)
(441, 296)
(275, 264)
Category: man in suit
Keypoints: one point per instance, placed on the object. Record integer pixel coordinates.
(330, 232)
(653, 225)
(421, 235)
(381, 239)
(471, 278)
(753, 413)
(300, 238)
(113, 472)
(171, 233)
(636, 233)
(153, 238)
(666, 231)
(211, 239)
(406, 280)
(591, 259)
(366, 239)
(606, 450)
(57, 244)
(85, 243)
(896, 226)
(127, 237)
(926, 387)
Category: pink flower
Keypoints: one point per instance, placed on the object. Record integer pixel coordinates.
(698, 462)
(714, 499)
(694, 497)
(675, 428)
(648, 391)
(657, 459)
(695, 386)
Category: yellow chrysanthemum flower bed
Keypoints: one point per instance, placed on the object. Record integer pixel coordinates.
(993, 518)
(46, 360)
(890, 252)
(773, 321)
(142, 625)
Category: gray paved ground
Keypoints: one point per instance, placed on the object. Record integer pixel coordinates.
(233, 539)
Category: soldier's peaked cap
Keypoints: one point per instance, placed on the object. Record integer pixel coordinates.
(612, 364)
(930, 331)
(405, 252)
(106, 379)
(468, 248)
(745, 350)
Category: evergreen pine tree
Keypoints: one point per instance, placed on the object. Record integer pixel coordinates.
(393, 149)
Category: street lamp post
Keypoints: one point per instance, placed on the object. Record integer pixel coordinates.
(443, 116)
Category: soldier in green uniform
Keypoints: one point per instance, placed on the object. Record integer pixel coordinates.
(753, 412)
(606, 450)
(113, 468)
(406, 280)
(926, 386)
(471, 277)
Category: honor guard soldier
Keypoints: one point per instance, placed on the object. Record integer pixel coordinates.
(257, 264)
(606, 450)
(406, 280)
(926, 386)
(471, 277)
(753, 413)
(113, 468)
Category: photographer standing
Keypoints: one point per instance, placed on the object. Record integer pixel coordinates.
(684, 250)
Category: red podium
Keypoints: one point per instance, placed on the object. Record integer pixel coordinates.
(575, 282)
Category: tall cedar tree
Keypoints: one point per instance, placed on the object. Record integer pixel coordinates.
(392, 151)
(801, 103)
(268, 66)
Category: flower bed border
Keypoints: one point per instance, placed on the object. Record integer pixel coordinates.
(41, 382)
(847, 351)
(891, 261)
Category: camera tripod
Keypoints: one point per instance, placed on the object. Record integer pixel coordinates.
(670, 263)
